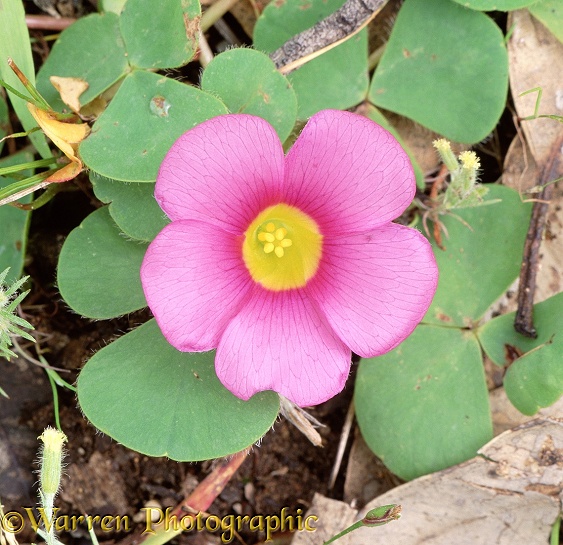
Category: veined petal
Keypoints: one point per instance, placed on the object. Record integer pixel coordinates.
(348, 173)
(280, 342)
(375, 287)
(195, 281)
(223, 171)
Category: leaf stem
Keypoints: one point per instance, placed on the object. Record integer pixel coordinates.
(554, 538)
(29, 87)
(43, 199)
(22, 188)
(214, 12)
(375, 57)
(25, 166)
(55, 395)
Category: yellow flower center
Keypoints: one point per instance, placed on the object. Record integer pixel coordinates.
(282, 248)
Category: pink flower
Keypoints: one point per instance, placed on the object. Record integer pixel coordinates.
(286, 264)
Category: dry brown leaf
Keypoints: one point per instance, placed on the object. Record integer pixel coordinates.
(509, 495)
(70, 90)
(94, 108)
(68, 172)
(245, 16)
(366, 476)
(419, 140)
(505, 415)
(66, 136)
(520, 168)
(333, 517)
(536, 60)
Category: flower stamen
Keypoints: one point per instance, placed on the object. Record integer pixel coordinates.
(266, 237)
(274, 239)
(274, 230)
(280, 233)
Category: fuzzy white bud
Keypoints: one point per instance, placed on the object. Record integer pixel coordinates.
(51, 460)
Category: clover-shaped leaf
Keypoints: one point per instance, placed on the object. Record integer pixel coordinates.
(99, 66)
(160, 34)
(445, 67)
(98, 273)
(132, 206)
(162, 402)
(424, 406)
(148, 113)
(247, 82)
(535, 379)
(336, 79)
(477, 267)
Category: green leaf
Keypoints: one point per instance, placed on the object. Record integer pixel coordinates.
(498, 334)
(133, 206)
(161, 402)
(550, 14)
(495, 5)
(481, 259)
(534, 380)
(425, 406)
(14, 223)
(149, 112)
(247, 82)
(4, 121)
(100, 61)
(338, 78)
(445, 67)
(160, 34)
(115, 6)
(98, 274)
(14, 43)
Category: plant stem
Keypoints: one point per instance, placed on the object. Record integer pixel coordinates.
(554, 538)
(42, 200)
(215, 12)
(26, 166)
(375, 57)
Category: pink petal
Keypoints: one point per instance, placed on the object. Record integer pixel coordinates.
(348, 173)
(223, 171)
(375, 287)
(280, 342)
(195, 281)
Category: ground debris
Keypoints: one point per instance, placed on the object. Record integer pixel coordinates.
(507, 495)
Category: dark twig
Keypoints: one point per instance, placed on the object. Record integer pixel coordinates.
(331, 31)
(524, 321)
(46, 22)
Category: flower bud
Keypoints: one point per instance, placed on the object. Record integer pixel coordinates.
(51, 460)
(469, 166)
(446, 154)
